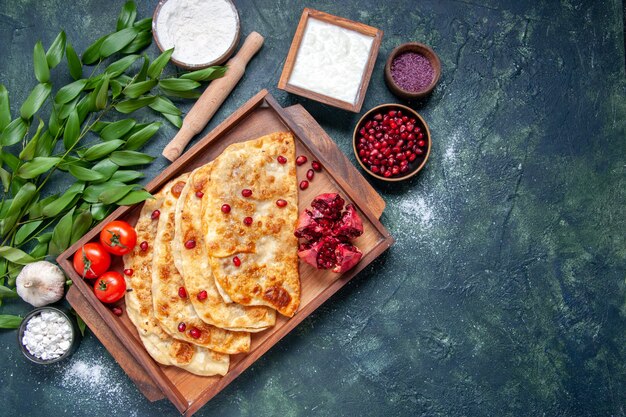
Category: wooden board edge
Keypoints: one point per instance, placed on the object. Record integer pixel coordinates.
(369, 70)
(322, 98)
(348, 170)
(290, 60)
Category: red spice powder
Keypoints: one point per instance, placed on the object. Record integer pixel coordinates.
(412, 71)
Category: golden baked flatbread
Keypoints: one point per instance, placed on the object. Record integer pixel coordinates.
(193, 264)
(170, 308)
(265, 270)
(161, 346)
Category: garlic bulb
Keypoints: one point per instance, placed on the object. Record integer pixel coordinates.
(40, 283)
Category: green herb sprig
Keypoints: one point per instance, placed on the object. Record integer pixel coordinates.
(34, 146)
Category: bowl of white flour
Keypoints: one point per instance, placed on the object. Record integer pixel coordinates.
(47, 335)
(202, 32)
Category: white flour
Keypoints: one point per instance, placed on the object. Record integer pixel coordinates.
(200, 31)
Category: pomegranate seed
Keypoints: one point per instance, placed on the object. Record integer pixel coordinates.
(301, 160)
(281, 159)
(190, 244)
(419, 151)
(310, 173)
(181, 327)
(182, 292)
(202, 295)
(117, 311)
(378, 116)
(387, 174)
(237, 261)
(246, 192)
(128, 272)
(195, 333)
(412, 157)
(225, 208)
(155, 214)
(374, 169)
(247, 221)
(304, 184)
(318, 167)
(421, 143)
(282, 203)
(392, 113)
(199, 194)
(143, 246)
(420, 135)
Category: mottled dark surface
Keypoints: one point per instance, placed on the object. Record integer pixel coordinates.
(505, 292)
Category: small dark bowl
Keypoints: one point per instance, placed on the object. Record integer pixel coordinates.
(194, 67)
(419, 162)
(75, 341)
(421, 49)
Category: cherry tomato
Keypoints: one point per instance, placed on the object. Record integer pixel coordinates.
(110, 287)
(118, 237)
(92, 260)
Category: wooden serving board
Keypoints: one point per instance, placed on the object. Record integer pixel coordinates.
(259, 116)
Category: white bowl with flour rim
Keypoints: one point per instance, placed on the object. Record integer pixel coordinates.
(202, 32)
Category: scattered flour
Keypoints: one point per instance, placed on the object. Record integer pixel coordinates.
(418, 209)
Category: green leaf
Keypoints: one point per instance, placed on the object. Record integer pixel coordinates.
(116, 88)
(14, 132)
(35, 100)
(73, 62)
(98, 126)
(23, 197)
(5, 108)
(56, 50)
(81, 324)
(45, 144)
(92, 192)
(210, 73)
(143, 24)
(178, 85)
(173, 119)
(127, 15)
(165, 106)
(61, 235)
(15, 255)
(70, 91)
(92, 53)
(35, 211)
(107, 168)
(68, 198)
(72, 130)
(102, 149)
(118, 67)
(131, 105)
(26, 230)
(30, 150)
(8, 321)
(11, 160)
(85, 105)
(142, 41)
(71, 160)
(137, 89)
(81, 225)
(117, 129)
(37, 167)
(94, 82)
(103, 94)
(134, 197)
(155, 69)
(112, 195)
(143, 72)
(7, 292)
(99, 211)
(115, 42)
(6, 179)
(124, 175)
(193, 94)
(139, 138)
(40, 250)
(42, 71)
(85, 174)
(7, 224)
(54, 123)
(130, 158)
(64, 110)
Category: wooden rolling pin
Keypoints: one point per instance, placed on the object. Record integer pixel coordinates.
(213, 97)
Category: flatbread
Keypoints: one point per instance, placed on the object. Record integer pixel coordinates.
(169, 308)
(193, 265)
(268, 274)
(161, 346)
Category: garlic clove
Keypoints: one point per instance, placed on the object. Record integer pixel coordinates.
(40, 283)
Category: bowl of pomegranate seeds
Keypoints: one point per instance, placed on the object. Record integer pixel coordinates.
(412, 70)
(392, 142)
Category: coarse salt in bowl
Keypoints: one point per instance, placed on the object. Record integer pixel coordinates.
(47, 335)
(202, 33)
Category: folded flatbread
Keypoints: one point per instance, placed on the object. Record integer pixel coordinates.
(160, 345)
(265, 272)
(193, 264)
